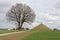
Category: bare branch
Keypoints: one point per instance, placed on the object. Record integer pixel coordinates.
(21, 13)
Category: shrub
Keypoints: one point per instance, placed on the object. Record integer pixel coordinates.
(55, 29)
(27, 29)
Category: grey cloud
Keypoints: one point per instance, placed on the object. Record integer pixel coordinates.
(57, 5)
(4, 4)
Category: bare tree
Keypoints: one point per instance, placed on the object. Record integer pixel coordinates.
(21, 13)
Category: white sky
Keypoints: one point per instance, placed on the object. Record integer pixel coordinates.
(47, 11)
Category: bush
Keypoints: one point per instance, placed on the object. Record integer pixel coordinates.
(27, 29)
(55, 29)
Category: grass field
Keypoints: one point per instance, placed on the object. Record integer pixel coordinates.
(44, 35)
(34, 35)
(41, 32)
(7, 31)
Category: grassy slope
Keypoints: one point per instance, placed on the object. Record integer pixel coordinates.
(7, 31)
(41, 27)
(44, 35)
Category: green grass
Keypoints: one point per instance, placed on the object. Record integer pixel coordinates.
(7, 31)
(44, 35)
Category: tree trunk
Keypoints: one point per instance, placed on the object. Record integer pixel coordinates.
(19, 26)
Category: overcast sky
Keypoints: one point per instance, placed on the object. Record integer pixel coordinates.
(47, 12)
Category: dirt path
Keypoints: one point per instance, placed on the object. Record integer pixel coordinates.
(17, 36)
(11, 33)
